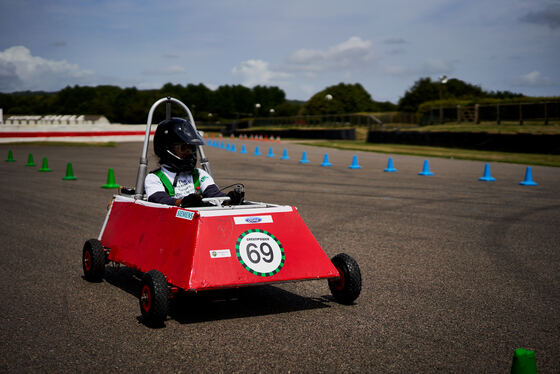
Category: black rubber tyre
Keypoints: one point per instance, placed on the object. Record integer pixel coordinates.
(347, 288)
(93, 260)
(154, 298)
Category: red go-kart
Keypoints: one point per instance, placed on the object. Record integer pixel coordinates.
(212, 247)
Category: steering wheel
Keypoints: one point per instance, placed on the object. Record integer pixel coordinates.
(217, 201)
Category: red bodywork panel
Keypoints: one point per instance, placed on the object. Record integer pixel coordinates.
(219, 248)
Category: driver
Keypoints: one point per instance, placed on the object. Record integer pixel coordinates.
(178, 181)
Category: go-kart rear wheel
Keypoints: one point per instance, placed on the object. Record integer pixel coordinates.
(348, 286)
(93, 260)
(154, 297)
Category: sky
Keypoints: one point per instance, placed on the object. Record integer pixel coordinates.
(301, 46)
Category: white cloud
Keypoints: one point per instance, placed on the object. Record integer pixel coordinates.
(255, 72)
(211, 86)
(351, 53)
(9, 80)
(307, 59)
(175, 69)
(19, 70)
(534, 79)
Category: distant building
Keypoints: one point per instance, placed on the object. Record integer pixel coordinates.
(65, 119)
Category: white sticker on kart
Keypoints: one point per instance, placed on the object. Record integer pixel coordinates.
(184, 214)
(260, 252)
(252, 220)
(220, 253)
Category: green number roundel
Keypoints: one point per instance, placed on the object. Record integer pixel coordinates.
(260, 252)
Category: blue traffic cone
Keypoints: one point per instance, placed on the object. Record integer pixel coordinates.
(257, 151)
(222, 145)
(285, 155)
(304, 159)
(426, 169)
(390, 168)
(270, 152)
(528, 178)
(355, 164)
(326, 160)
(228, 147)
(487, 177)
(524, 362)
(232, 148)
(243, 150)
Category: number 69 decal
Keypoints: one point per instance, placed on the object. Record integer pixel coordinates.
(260, 252)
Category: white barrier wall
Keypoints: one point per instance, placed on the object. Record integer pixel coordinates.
(56, 120)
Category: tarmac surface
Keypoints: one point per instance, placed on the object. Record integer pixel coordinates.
(457, 273)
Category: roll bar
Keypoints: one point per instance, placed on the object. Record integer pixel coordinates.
(143, 167)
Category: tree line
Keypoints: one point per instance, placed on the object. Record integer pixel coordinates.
(130, 105)
(425, 90)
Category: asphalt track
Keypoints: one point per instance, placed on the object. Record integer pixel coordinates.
(457, 273)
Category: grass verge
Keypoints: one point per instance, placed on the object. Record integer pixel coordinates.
(492, 127)
(458, 153)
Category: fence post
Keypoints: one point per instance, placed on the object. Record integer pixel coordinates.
(476, 115)
(520, 114)
(545, 114)
(440, 114)
(497, 114)
(458, 113)
(431, 116)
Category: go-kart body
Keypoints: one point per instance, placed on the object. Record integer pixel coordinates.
(214, 247)
(210, 247)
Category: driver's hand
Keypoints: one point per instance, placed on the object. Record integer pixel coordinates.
(191, 200)
(236, 197)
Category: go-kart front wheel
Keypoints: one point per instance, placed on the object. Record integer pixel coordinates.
(93, 260)
(348, 286)
(154, 297)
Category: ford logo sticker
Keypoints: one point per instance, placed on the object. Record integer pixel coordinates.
(253, 219)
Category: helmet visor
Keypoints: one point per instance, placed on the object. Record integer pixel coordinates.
(183, 150)
(186, 133)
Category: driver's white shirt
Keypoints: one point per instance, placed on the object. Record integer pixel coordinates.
(184, 185)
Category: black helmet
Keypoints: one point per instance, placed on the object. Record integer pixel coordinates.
(170, 133)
